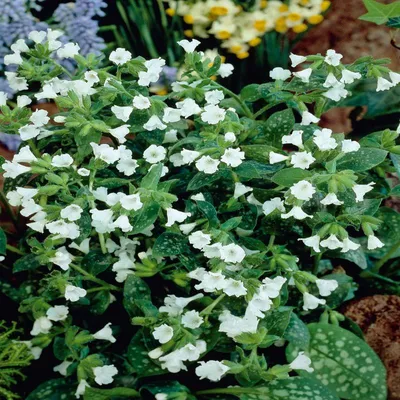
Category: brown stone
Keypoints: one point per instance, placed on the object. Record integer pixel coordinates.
(379, 318)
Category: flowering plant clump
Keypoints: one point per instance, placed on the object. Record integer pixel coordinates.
(238, 28)
(192, 237)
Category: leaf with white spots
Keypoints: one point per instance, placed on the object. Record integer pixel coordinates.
(344, 363)
(55, 389)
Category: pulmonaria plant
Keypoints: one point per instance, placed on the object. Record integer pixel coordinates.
(212, 225)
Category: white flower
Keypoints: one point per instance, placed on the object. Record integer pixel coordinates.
(212, 370)
(349, 245)
(156, 353)
(104, 375)
(13, 59)
(383, 84)
(349, 76)
(188, 156)
(141, 102)
(83, 247)
(374, 243)
(230, 137)
(71, 213)
(295, 138)
(20, 46)
(131, 202)
(189, 45)
(39, 118)
(154, 154)
(276, 157)
(225, 70)
(199, 239)
(92, 77)
(232, 253)
(174, 306)
(187, 228)
(214, 96)
(154, 69)
(233, 157)
(323, 140)
(326, 286)
(192, 319)
(120, 132)
(362, 190)
(80, 390)
(122, 222)
(307, 118)
(303, 190)
(313, 242)
(154, 123)
(24, 155)
(16, 82)
(296, 60)
(105, 153)
(120, 56)
(332, 243)
(62, 368)
(69, 50)
(348, 146)
(311, 302)
(394, 77)
(188, 108)
(122, 113)
(62, 229)
(304, 75)
(62, 258)
(74, 293)
(275, 203)
(297, 213)
(62, 161)
(37, 36)
(331, 198)
(331, 81)
(41, 325)
(241, 189)
(234, 288)
(22, 101)
(176, 216)
(163, 333)
(333, 58)
(171, 136)
(336, 93)
(302, 159)
(301, 362)
(3, 99)
(279, 73)
(106, 333)
(213, 114)
(207, 165)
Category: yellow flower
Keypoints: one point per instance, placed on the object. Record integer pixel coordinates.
(170, 12)
(263, 3)
(283, 8)
(304, 2)
(162, 92)
(325, 5)
(294, 17)
(260, 25)
(189, 19)
(300, 28)
(188, 33)
(242, 55)
(213, 78)
(222, 35)
(219, 10)
(280, 25)
(235, 48)
(254, 42)
(315, 19)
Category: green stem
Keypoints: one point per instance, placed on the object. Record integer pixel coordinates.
(230, 390)
(8, 208)
(317, 259)
(271, 242)
(209, 308)
(92, 278)
(14, 250)
(265, 108)
(386, 257)
(34, 149)
(245, 109)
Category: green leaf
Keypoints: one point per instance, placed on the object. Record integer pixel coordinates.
(258, 153)
(395, 191)
(379, 13)
(112, 183)
(289, 176)
(254, 170)
(137, 297)
(344, 363)
(276, 321)
(100, 302)
(296, 388)
(150, 181)
(55, 389)
(278, 125)
(26, 263)
(297, 332)
(209, 212)
(109, 394)
(96, 262)
(137, 356)
(3, 242)
(362, 160)
(201, 179)
(145, 217)
(170, 244)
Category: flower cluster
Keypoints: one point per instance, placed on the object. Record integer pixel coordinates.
(239, 29)
(194, 205)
